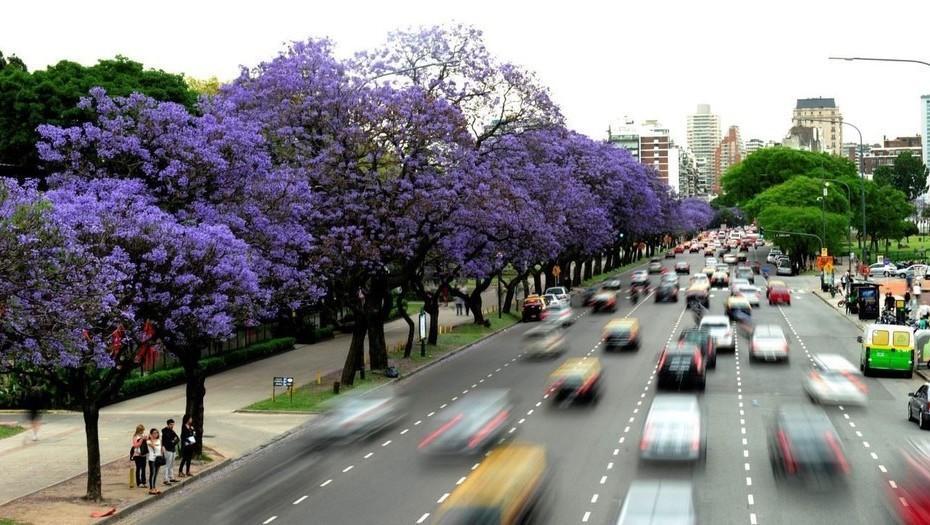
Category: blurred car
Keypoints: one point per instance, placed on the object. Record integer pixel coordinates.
(469, 425)
(783, 267)
(709, 271)
(613, 284)
(723, 267)
(735, 283)
(559, 292)
(506, 488)
(720, 279)
(909, 500)
(779, 294)
(640, 279)
(356, 417)
(576, 380)
(668, 290)
(682, 267)
(745, 272)
(918, 406)
(545, 341)
(768, 343)
(587, 295)
(698, 292)
(621, 333)
(704, 340)
(773, 253)
(655, 265)
(752, 294)
(673, 430)
(533, 307)
(759, 243)
(558, 313)
(681, 365)
(882, 270)
(914, 271)
(742, 256)
(833, 380)
(670, 254)
(729, 258)
(680, 249)
(699, 277)
(604, 301)
(773, 282)
(737, 304)
(719, 327)
(709, 250)
(695, 248)
(551, 299)
(711, 261)
(658, 502)
(804, 445)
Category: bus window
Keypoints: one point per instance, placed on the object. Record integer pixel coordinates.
(880, 338)
(902, 338)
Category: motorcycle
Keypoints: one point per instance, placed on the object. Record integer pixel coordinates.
(634, 295)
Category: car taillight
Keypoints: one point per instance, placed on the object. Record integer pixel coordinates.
(662, 358)
(487, 429)
(785, 446)
(587, 384)
(857, 381)
(697, 359)
(837, 451)
(438, 432)
(696, 438)
(555, 386)
(647, 437)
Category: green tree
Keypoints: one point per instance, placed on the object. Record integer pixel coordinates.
(908, 174)
(50, 96)
(803, 219)
(798, 191)
(772, 166)
(209, 86)
(12, 62)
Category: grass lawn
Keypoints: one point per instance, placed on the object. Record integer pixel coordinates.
(311, 397)
(7, 521)
(7, 431)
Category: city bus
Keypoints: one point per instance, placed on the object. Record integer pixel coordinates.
(887, 348)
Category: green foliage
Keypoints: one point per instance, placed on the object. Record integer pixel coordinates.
(50, 96)
(803, 219)
(925, 213)
(908, 174)
(798, 191)
(209, 86)
(162, 379)
(13, 62)
(908, 228)
(772, 166)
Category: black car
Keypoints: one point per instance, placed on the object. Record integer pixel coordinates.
(804, 445)
(704, 340)
(681, 366)
(613, 284)
(587, 295)
(604, 301)
(667, 291)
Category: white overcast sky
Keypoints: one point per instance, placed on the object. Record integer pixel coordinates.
(649, 59)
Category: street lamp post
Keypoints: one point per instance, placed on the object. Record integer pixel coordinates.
(826, 183)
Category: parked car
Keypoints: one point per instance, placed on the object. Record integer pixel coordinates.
(533, 307)
(914, 270)
(773, 254)
(559, 291)
(783, 267)
(882, 270)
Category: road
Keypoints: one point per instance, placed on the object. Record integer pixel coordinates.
(594, 449)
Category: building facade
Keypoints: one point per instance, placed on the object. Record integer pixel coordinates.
(727, 153)
(689, 176)
(648, 142)
(889, 150)
(703, 129)
(753, 145)
(824, 115)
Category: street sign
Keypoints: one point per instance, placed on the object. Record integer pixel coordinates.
(284, 381)
(556, 271)
(881, 259)
(823, 252)
(423, 324)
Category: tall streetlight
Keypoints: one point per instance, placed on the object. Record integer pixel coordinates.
(826, 185)
(861, 176)
(871, 59)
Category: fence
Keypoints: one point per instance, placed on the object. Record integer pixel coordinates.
(243, 337)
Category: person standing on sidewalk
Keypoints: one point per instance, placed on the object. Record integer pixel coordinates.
(139, 454)
(34, 402)
(170, 441)
(156, 459)
(188, 443)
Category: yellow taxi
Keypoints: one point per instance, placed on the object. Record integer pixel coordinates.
(698, 292)
(621, 333)
(504, 489)
(737, 303)
(709, 271)
(576, 379)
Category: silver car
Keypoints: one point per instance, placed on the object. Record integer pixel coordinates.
(769, 343)
(751, 293)
(833, 380)
(545, 341)
(357, 417)
(666, 502)
(673, 429)
(719, 327)
(882, 270)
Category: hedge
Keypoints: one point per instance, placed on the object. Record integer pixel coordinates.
(162, 379)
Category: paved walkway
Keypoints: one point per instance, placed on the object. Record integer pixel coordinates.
(60, 453)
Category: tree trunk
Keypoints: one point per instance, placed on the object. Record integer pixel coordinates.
(94, 483)
(577, 273)
(378, 308)
(356, 350)
(196, 390)
(508, 298)
(587, 269)
(475, 303)
(431, 305)
(598, 265)
(537, 282)
(402, 308)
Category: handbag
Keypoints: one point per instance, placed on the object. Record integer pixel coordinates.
(159, 461)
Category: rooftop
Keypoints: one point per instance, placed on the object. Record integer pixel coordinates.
(808, 103)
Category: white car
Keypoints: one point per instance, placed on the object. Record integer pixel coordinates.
(559, 291)
(915, 270)
(720, 329)
(710, 261)
(882, 270)
(768, 342)
(773, 254)
(673, 429)
(559, 313)
(736, 283)
(834, 380)
(730, 258)
(750, 292)
(664, 501)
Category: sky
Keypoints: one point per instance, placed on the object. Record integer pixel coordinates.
(601, 60)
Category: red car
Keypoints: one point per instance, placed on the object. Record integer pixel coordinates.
(679, 249)
(910, 500)
(779, 295)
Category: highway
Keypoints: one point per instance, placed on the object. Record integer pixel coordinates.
(594, 449)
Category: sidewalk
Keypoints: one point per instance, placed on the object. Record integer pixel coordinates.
(60, 453)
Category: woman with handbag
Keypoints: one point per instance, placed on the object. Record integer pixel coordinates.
(138, 453)
(156, 459)
(188, 444)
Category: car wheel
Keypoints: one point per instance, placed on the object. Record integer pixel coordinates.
(713, 362)
(910, 413)
(924, 424)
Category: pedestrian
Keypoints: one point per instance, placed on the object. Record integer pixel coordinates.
(465, 303)
(156, 459)
(458, 305)
(139, 452)
(170, 441)
(909, 278)
(188, 444)
(889, 301)
(851, 299)
(33, 402)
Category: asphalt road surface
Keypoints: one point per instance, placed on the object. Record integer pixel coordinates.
(594, 450)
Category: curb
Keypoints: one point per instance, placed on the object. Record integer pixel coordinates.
(211, 473)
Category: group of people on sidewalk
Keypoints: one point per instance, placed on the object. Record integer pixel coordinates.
(157, 449)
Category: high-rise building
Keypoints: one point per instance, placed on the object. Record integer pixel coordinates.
(753, 145)
(648, 142)
(823, 114)
(885, 154)
(727, 153)
(688, 174)
(925, 126)
(703, 138)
